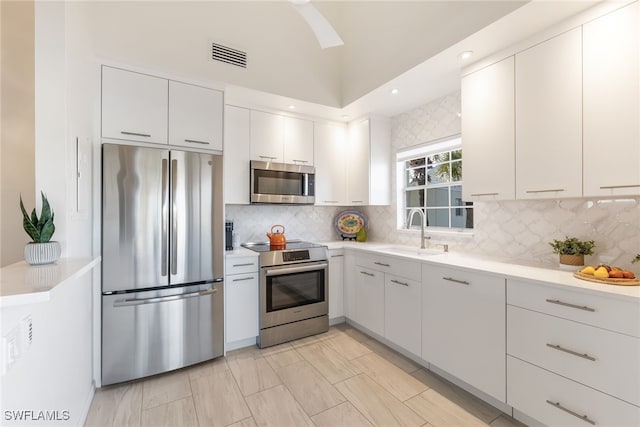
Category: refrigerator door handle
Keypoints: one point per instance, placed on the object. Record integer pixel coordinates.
(136, 301)
(174, 217)
(165, 215)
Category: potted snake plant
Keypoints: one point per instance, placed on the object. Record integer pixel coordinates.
(41, 250)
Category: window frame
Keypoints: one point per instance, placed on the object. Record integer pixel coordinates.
(444, 145)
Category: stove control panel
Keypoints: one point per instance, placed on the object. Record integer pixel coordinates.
(293, 256)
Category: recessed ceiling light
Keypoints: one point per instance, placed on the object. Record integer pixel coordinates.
(459, 114)
(345, 116)
(466, 54)
(292, 107)
(394, 91)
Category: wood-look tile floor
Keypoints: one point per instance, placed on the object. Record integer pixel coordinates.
(339, 378)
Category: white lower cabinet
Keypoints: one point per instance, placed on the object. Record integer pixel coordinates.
(369, 299)
(573, 356)
(463, 326)
(241, 300)
(402, 312)
(336, 280)
(557, 401)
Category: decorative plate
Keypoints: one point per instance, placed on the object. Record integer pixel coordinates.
(348, 223)
(608, 280)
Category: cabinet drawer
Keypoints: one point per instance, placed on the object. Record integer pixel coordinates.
(597, 310)
(238, 265)
(605, 360)
(529, 389)
(399, 267)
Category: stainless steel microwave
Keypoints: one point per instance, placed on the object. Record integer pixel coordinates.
(282, 183)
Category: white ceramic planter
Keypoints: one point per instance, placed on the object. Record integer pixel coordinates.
(42, 253)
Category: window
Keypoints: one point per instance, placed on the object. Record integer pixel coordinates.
(432, 182)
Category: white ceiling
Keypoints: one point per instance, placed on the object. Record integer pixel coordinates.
(412, 45)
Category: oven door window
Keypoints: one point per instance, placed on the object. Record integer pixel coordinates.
(295, 290)
(278, 183)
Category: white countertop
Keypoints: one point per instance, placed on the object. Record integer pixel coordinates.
(514, 270)
(240, 252)
(21, 283)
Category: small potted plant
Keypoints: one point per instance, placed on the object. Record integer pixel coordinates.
(41, 250)
(572, 250)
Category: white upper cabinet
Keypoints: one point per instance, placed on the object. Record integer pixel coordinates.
(281, 139)
(368, 162)
(488, 133)
(330, 161)
(298, 141)
(195, 116)
(237, 136)
(267, 137)
(548, 82)
(134, 106)
(611, 104)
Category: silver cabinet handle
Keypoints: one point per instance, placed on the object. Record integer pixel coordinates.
(451, 279)
(575, 353)
(569, 411)
(245, 264)
(545, 191)
(174, 216)
(154, 300)
(608, 187)
(382, 264)
(357, 201)
(267, 157)
(566, 304)
(146, 135)
(399, 283)
(485, 194)
(195, 141)
(366, 273)
(165, 216)
(336, 256)
(300, 161)
(244, 278)
(329, 201)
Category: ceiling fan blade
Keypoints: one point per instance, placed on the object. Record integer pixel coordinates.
(326, 35)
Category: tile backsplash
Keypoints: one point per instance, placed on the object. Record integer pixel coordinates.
(518, 230)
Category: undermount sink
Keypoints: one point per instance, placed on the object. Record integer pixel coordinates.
(409, 251)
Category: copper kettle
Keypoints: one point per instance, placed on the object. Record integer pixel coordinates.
(276, 238)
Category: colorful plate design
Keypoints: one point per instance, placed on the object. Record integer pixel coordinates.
(348, 223)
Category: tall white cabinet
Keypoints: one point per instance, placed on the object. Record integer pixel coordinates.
(611, 104)
(368, 162)
(488, 133)
(237, 139)
(548, 84)
(330, 140)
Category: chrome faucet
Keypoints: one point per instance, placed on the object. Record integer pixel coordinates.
(423, 220)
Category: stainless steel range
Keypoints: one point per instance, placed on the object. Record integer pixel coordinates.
(293, 291)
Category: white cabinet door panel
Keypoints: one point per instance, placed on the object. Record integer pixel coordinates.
(298, 141)
(267, 136)
(611, 104)
(369, 294)
(549, 118)
(237, 136)
(488, 133)
(330, 162)
(134, 106)
(336, 288)
(195, 116)
(402, 312)
(242, 309)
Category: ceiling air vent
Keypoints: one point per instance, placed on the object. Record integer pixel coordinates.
(228, 55)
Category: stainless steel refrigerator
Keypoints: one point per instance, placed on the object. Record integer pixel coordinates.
(162, 260)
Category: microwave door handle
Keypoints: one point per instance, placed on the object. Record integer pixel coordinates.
(305, 184)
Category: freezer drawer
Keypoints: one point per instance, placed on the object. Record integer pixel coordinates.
(146, 333)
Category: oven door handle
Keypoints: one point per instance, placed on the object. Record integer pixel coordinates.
(289, 270)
